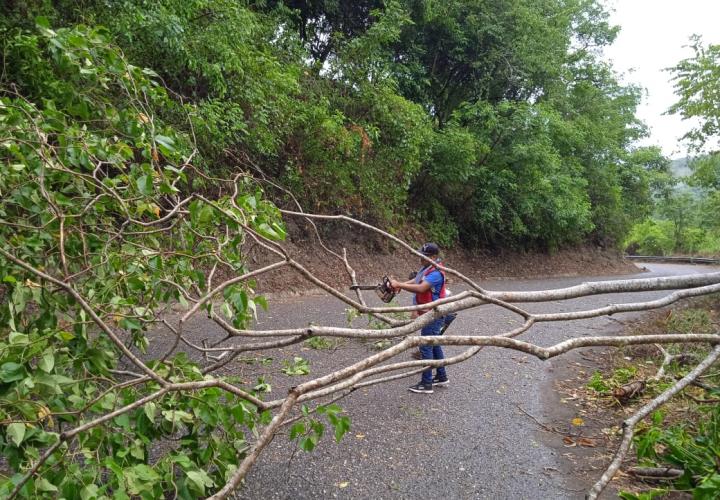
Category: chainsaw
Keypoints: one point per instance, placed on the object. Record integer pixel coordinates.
(383, 289)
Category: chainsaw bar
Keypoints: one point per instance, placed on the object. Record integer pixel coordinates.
(383, 290)
(363, 287)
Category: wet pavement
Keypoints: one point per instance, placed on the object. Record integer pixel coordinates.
(472, 439)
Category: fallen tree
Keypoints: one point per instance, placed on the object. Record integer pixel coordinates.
(108, 227)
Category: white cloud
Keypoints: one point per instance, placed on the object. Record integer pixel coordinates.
(654, 35)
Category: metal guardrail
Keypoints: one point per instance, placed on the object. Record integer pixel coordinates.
(690, 260)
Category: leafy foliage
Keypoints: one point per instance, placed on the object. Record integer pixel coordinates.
(696, 85)
(682, 223)
(684, 434)
(487, 123)
(617, 378)
(320, 343)
(694, 449)
(89, 173)
(652, 238)
(308, 430)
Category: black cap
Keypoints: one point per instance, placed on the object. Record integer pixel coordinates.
(430, 249)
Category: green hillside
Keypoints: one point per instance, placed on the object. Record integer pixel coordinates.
(485, 123)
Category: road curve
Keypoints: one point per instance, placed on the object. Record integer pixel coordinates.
(473, 439)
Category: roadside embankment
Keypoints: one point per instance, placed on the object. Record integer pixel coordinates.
(372, 261)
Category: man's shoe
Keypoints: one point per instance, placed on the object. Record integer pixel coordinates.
(441, 381)
(421, 388)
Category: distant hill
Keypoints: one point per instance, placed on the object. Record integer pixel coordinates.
(680, 167)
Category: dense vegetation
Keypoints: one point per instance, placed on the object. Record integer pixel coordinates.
(489, 123)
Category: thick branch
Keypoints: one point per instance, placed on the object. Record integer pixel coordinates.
(265, 438)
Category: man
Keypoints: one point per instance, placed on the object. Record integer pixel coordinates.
(428, 286)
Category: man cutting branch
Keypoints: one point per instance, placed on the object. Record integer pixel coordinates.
(428, 286)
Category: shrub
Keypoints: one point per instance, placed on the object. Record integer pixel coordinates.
(652, 237)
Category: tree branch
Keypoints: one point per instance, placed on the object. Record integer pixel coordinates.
(630, 423)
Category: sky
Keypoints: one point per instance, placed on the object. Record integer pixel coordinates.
(654, 35)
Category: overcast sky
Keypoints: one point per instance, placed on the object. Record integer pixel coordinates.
(654, 35)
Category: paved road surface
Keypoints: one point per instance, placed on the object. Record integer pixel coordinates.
(469, 440)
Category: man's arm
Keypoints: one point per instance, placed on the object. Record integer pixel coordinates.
(410, 286)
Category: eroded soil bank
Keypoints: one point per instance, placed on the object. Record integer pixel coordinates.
(372, 261)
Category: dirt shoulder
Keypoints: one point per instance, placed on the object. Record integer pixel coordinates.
(587, 394)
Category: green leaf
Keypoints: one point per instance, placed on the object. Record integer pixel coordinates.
(265, 230)
(65, 336)
(708, 489)
(137, 450)
(145, 185)
(227, 311)
(141, 479)
(297, 429)
(44, 485)
(657, 417)
(318, 428)
(248, 202)
(89, 492)
(11, 372)
(265, 417)
(200, 479)
(123, 421)
(47, 362)
(253, 308)
(341, 428)
(16, 433)
(299, 366)
(308, 443)
(17, 338)
(42, 22)
(150, 410)
(165, 144)
(206, 214)
(130, 324)
(177, 416)
(182, 460)
(259, 299)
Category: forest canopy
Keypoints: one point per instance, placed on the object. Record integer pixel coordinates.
(486, 123)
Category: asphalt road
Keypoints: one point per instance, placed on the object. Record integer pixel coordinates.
(469, 440)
